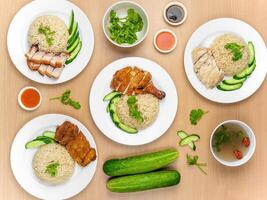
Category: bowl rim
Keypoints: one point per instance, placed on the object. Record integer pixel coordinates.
(104, 25)
(155, 43)
(177, 4)
(22, 105)
(250, 151)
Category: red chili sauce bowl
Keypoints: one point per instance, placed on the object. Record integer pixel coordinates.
(29, 98)
(165, 41)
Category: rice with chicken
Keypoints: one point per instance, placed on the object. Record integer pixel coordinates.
(147, 104)
(223, 56)
(50, 33)
(53, 154)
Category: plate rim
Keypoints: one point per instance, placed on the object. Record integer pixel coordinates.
(109, 65)
(56, 81)
(11, 153)
(198, 90)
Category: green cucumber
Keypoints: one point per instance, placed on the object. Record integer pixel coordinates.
(251, 68)
(71, 22)
(189, 139)
(49, 134)
(110, 95)
(233, 81)
(74, 54)
(70, 44)
(140, 163)
(183, 135)
(74, 45)
(251, 52)
(34, 144)
(73, 32)
(241, 75)
(225, 87)
(115, 117)
(141, 182)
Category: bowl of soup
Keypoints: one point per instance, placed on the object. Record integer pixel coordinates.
(232, 143)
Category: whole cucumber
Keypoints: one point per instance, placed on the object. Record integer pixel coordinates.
(140, 182)
(140, 163)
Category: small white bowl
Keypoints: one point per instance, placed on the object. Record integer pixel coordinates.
(20, 102)
(251, 147)
(175, 3)
(121, 8)
(155, 42)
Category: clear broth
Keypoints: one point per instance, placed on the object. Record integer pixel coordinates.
(235, 143)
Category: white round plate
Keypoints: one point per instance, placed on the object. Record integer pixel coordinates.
(204, 36)
(168, 105)
(18, 45)
(21, 160)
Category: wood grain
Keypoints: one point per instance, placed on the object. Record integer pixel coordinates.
(246, 182)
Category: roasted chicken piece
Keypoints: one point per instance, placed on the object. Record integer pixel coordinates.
(69, 136)
(133, 80)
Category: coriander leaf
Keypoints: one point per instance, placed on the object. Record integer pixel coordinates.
(52, 169)
(193, 161)
(66, 100)
(235, 50)
(196, 115)
(133, 109)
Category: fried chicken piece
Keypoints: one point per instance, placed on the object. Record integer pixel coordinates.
(73, 139)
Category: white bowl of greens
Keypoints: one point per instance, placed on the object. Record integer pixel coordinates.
(125, 24)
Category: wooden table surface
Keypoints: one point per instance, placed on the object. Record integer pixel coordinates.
(246, 182)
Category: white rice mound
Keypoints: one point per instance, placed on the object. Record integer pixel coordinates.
(148, 105)
(52, 153)
(60, 36)
(223, 57)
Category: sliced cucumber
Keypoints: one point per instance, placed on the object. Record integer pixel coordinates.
(189, 139)
(71, 22)
(251, 68)
(183, 135)
(233, 81)
(241, 75)
(74, 54)
(73, 32)
(251, 52)
(111, 95)
(34, 144)
(49, 134)
(70, 44)
(226, 87)
(74, 45)
(115, 118)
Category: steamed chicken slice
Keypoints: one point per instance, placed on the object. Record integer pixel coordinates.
(197, 53)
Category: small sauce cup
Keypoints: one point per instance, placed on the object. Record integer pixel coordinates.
(165, 41)
(250, 150)
(29, 98)
(175, 13)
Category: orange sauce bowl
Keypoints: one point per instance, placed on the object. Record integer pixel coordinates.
(29, 98)
(165, 41)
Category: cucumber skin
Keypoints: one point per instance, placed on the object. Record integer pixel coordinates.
(140, 163)
(141, 182)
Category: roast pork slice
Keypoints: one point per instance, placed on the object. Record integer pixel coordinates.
(42, 69)
(57, 72)
(31, 52)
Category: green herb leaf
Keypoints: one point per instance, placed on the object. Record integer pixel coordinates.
(65, 99)
(133, 109)
(48, 33)
(235, 50)
(123, 30)
(196, 115)
(193, 161)
(52, 169)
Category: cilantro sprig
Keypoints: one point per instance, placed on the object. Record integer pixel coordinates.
(65, 99)
(193, 160)
(235, 50)
(123, 30)
(133, 109)
(48, 33)
(52, 169)
(196, 115)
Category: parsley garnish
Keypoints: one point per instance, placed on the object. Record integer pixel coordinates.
(133, 109)
(52, 169)
(123, 30)
(65, 99)
(196, 115)
(235, 50)
(46, 31)
(193, 161)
